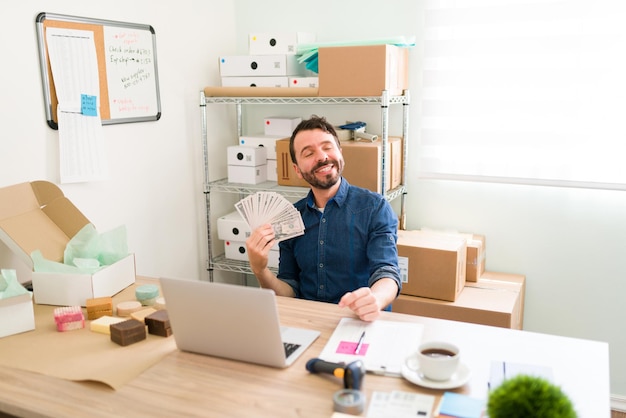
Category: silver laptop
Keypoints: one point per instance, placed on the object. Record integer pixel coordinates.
(231, 321)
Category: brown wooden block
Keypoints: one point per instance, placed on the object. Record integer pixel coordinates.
(159, 323)
(128, 332)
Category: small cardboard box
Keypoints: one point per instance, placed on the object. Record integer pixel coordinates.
(363, 163)
(285, 173)
(255, 81)
(235, 250)
(17, 315)
(476, 252)
(37, 216)
(272, 170)
(262, 43)
(432, 265)
(247, 156)
(260, 65)
(497, 301)
(296, 82)
(281, 126)
(232, 227)
(261, 140)
(247, 175)
(367, 70)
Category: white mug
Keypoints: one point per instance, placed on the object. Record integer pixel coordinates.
(438, 360)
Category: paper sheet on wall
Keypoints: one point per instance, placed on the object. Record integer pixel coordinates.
(74, 66)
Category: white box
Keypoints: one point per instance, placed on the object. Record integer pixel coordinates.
(266, 141)
(17, 314)
(280, 125)
(74, 289)
(247, 175)
(246, 156)
(255, 81)
(260, 65)
(236, 250)
(272, 173)
(303, 82)
(232, 227)
(40, 217)
(273, 258)
(278, 43)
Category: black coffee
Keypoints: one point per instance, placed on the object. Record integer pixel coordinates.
(437, 352)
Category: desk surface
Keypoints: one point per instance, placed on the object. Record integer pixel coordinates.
(185, 384)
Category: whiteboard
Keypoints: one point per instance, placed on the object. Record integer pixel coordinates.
(127, 68)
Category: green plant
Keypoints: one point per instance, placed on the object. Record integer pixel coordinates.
(529, 396)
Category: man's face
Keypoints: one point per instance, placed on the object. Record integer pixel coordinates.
(318, 158)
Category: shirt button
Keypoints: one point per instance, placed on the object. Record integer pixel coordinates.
(321, 287)
(321, 265)
(323, 220)
(321, 242)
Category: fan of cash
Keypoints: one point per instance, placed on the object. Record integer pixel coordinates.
(271, 208)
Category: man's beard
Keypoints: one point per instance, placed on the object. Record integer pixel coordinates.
(329, 180)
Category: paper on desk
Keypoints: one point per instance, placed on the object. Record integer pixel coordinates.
(385, 345)
(74, 66)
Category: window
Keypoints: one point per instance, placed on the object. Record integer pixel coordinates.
(529, 92)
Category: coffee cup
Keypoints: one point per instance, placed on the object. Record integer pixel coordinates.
(437, 360)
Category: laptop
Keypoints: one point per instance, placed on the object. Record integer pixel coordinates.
(231, 321)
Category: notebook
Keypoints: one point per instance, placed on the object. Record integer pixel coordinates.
(231, 321)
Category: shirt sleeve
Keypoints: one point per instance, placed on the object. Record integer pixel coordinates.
(289, 272)
(382, 246)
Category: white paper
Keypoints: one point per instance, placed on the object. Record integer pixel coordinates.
(385, 344)
(74, 66)
(399, 404)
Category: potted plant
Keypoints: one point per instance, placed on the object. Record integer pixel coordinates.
(529, 396)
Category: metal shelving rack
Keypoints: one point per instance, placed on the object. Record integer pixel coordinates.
(385, 100)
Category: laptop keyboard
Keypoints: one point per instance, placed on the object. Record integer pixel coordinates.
(290, 348)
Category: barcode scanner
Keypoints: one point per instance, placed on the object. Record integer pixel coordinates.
(352, 373)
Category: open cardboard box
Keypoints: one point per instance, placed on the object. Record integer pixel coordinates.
(18, 315)
(37, 216)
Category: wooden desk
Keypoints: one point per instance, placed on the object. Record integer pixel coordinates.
(185, 384)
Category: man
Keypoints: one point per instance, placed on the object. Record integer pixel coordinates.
(348, 253)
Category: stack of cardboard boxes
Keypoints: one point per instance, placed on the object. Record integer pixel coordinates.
(271, 62)
(444, 277)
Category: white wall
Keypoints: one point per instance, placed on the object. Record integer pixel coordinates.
(569, 243)
(156, 168)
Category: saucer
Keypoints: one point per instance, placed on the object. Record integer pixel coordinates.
(458, 379)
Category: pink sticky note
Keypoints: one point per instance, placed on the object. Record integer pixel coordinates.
(349, 347)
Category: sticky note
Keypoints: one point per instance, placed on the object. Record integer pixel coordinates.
(88, 105)
(349, 347)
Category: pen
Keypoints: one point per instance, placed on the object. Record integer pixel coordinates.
(357, 350)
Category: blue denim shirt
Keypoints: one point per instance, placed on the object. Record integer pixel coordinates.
(351, 244)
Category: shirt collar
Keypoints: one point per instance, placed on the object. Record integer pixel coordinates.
(339, 198)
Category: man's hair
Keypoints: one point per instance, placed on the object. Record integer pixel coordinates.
(315, 122)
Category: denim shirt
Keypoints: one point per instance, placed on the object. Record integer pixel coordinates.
(351, 244)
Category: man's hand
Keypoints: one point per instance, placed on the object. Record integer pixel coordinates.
(368, 302)
(259, 244)
(362, 302)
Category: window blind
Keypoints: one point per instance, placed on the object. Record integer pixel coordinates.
(529, 92)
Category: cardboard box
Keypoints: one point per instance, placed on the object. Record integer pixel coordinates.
(280, 125)
(17, 315)
(260, 65)
(255, 81)
(246, 156)
(272, 170)
(37, 216)
(368, 70)
(432, 265)
(247, 175)
(286, 174)
(363, 163)
(262, 140)
(262, 43)
(476, 252)
(497, 302)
